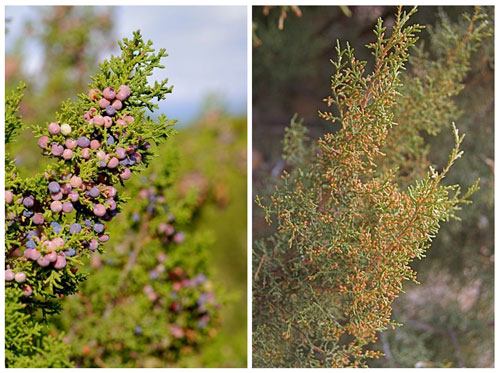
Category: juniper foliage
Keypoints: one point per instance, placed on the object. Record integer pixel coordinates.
(349, 218)
(40, 286)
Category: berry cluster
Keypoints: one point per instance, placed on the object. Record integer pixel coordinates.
(97, 142)
(45, 243)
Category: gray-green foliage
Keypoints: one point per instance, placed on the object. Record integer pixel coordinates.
(347, 227)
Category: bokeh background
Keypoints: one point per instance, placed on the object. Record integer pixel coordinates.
(55, 49)
(448, 319)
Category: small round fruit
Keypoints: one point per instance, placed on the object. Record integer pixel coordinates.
(67, 154)
(75, 181)
(121, 123)
(104, 237)
(27, 291)
(110, 140)
(117, 104)
(9, 275)
(98, 227)
(54, 128)
(95, 144)
(100, 155)
(110, 191)
(56, 206)
(109, 93)
(52, 256)
(94, 192)
(120, 153)
(108, 122)
(83, 142)
(33, 254)
(93, 244)
(66, 188)
(123, 93)
(65, 129)
(60, 262)
(94, 94)
(28, 202)
(179, 237)
(54, 187)
(103, 103)
(129, 119)
(56, 227)
(67, 207)
(110, 204)
(9, 197)
(99, 210)
(73, 196)
(57, 149)
(113, 162)
(70, 143)
(75, 228)
(85, 153)
(125, 174)
(43, 261)
(43, 142)
(110, 110)
(38, 219)
(70, 252)
(98, 120)
(57, 196)
(20, 277)
(58, 242)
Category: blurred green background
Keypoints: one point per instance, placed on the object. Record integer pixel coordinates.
(212, 140)
(448, 319)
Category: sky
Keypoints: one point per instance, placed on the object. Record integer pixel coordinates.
(207, 48)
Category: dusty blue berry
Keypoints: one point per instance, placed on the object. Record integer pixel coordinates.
(99, 227)
(83, 142)
(28, 213)
(110, 110)
(132, 159)
(31, 244)
(110, 140)
(56, 227)
(94, 192)
(54, 187)
(75, 228)
(70, 252)
(88, 222)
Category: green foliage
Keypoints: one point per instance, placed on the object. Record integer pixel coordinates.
(450, 315)
(426, 102)
(13, 121)
(348, 227)
(28, 345)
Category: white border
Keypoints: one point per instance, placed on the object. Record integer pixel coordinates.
(248, 4)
